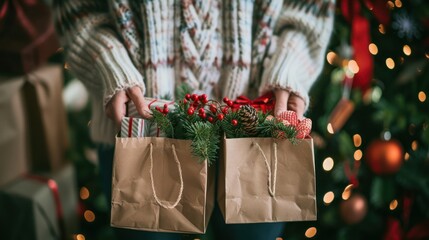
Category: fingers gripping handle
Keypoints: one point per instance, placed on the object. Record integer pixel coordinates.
(271, 185)
(179, 197)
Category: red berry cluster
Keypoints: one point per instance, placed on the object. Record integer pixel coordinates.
(209, 110)
(163, 110)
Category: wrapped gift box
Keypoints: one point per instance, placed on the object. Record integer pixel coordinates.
(47, 119)
(40, 207)
(143, 128)
(13, 138)
(28, 36)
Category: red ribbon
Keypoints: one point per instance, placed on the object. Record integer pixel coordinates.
(351, 174)
(53, 186)
(130, 127)
(19, 10)
(360, 36)
(419, 231)
(264, 103)
(394, 229)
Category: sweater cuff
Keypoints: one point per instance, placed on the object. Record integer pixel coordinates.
(113, 64)
(291, 67)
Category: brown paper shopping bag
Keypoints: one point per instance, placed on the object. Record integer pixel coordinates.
(267, 180)
(158, 185)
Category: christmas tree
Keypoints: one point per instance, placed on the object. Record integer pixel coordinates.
(371, 125)
(370, 128)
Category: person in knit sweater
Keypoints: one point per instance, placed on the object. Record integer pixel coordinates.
(125, 50)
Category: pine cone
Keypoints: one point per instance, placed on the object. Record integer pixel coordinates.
(249, 119)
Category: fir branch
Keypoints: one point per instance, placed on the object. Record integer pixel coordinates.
(229, 129)
(164, 123)
(205, 140)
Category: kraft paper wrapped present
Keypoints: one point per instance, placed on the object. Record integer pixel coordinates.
(46, 117)
(39, 207)
(267, 180)
(13, 138)
(158, 185)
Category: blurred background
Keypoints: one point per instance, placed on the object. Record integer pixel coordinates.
(369, 109)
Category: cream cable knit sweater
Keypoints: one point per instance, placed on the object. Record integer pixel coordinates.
(220, 47)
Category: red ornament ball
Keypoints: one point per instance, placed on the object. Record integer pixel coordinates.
(188, 96)
(225, 99)
(354, 209)
(234, 122)
(220, 116)
(210, 119)
(384, 157)
(229, 103)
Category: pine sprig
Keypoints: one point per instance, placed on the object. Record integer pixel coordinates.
(163, 123)
(229, 129)
(205, 140)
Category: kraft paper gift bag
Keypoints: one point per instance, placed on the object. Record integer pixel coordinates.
(158, 185)
(267, 180)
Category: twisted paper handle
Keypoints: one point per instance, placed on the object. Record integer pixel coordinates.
(167, 206)
(271, 187)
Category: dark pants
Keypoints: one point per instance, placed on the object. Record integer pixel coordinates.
(254, 231)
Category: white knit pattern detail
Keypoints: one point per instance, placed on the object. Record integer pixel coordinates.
(159, 45)
(200, 40)
(111, 45)
(238, 34)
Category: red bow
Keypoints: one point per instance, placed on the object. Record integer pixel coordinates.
(303, 127)
(264, 103)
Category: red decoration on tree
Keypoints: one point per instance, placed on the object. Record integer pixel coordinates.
(210, 119)
(393, 230)
(234, 122)
(360, 39)
(354, 209)
(188, 96)
(384, 157)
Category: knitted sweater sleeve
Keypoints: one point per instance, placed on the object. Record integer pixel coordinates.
(304, 31)
(93, 51)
